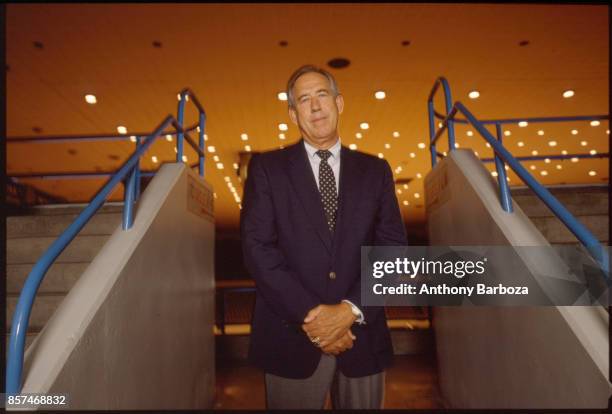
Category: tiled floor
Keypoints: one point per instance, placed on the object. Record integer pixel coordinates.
(410, 383)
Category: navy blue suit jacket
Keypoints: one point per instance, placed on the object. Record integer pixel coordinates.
(297, 263)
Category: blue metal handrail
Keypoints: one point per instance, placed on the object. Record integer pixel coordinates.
(502, 155)
(21, 317)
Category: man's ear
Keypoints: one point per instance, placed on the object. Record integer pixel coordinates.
(340, 103)
(293, 116)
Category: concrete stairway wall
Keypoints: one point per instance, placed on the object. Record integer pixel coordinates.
(28, 237)
(589, 204)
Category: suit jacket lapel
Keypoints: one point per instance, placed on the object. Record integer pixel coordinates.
(350, 192)
(305, 185)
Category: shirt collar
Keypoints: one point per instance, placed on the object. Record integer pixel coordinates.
(334, 149)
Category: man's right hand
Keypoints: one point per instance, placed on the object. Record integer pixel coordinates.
(345, 342)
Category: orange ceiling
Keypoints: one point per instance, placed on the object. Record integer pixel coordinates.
(231, 57)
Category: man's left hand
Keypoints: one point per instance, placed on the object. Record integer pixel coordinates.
(328, 322)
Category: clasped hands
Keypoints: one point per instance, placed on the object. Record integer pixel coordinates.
(328, 327)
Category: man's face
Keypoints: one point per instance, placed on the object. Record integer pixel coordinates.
(316, 110)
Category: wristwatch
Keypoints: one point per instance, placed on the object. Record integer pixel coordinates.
(355, 310)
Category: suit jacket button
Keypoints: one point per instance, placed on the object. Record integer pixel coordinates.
(332, 275)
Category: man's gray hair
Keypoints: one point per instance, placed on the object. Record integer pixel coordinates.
(309, 69)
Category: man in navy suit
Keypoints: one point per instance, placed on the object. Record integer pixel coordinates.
(307, 210)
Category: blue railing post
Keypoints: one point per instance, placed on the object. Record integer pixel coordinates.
(504, 190)
(137, 188)
(179, 118)
(201, 143)
(448, 102)
(128, 197)
(432, 132)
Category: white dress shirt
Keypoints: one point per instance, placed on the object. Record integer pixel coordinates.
(334, 163)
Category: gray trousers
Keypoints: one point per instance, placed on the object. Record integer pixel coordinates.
(310, 393)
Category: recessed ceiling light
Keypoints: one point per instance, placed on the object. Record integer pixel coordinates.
(380, 155)
(543, 172)
(405, 186)
(406, 202)
(220, 165)
(608, 131)
(396, 134)
(421, 145)
(211, 148)
(439, 124)
(540, 132)
(175, 150)
(574, 159)
(506, 168)
(532, 167)
(469, 133)
(584, 143)
(593, 152)
(353, 147)
(133, 138)
(547, 160)
(205, 137)
(417, 195)
(595, 123)
(227, 179)
(121, 129)
(244, 137)
(507, 133)
(494, 173)
(488, 145)
(552, 143)
(444, 153)
(456, 145)
(523, 124)
(418, 175)
(185, 159)
(568, 93)
(592, 173)
(476, 153)
(283, 127)
(412, 155)
(399, 190)
(358, 135)
(168, 137)
(247, 148)
(564, 152)
(520, 144)
(380, 95)
(474, 94)
(558, 167)
(216, 158)
(387, 146)
(574, 132)
(282, 96)
(281, 136)
(91, 99)
(235, 166)
(364, 125)
(534, 152)
(154, 159)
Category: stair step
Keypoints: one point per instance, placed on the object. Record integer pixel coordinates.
(30, 249)
(557, 233)
(59, 278)
(44, 306)
(54, 225)
(75, 208)
(580, 201)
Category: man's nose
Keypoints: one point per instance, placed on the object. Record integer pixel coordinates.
(315, 105)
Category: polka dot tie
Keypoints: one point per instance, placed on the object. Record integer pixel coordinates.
(327, 188)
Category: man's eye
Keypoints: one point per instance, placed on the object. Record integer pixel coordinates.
(323, 94)
(303, 99)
